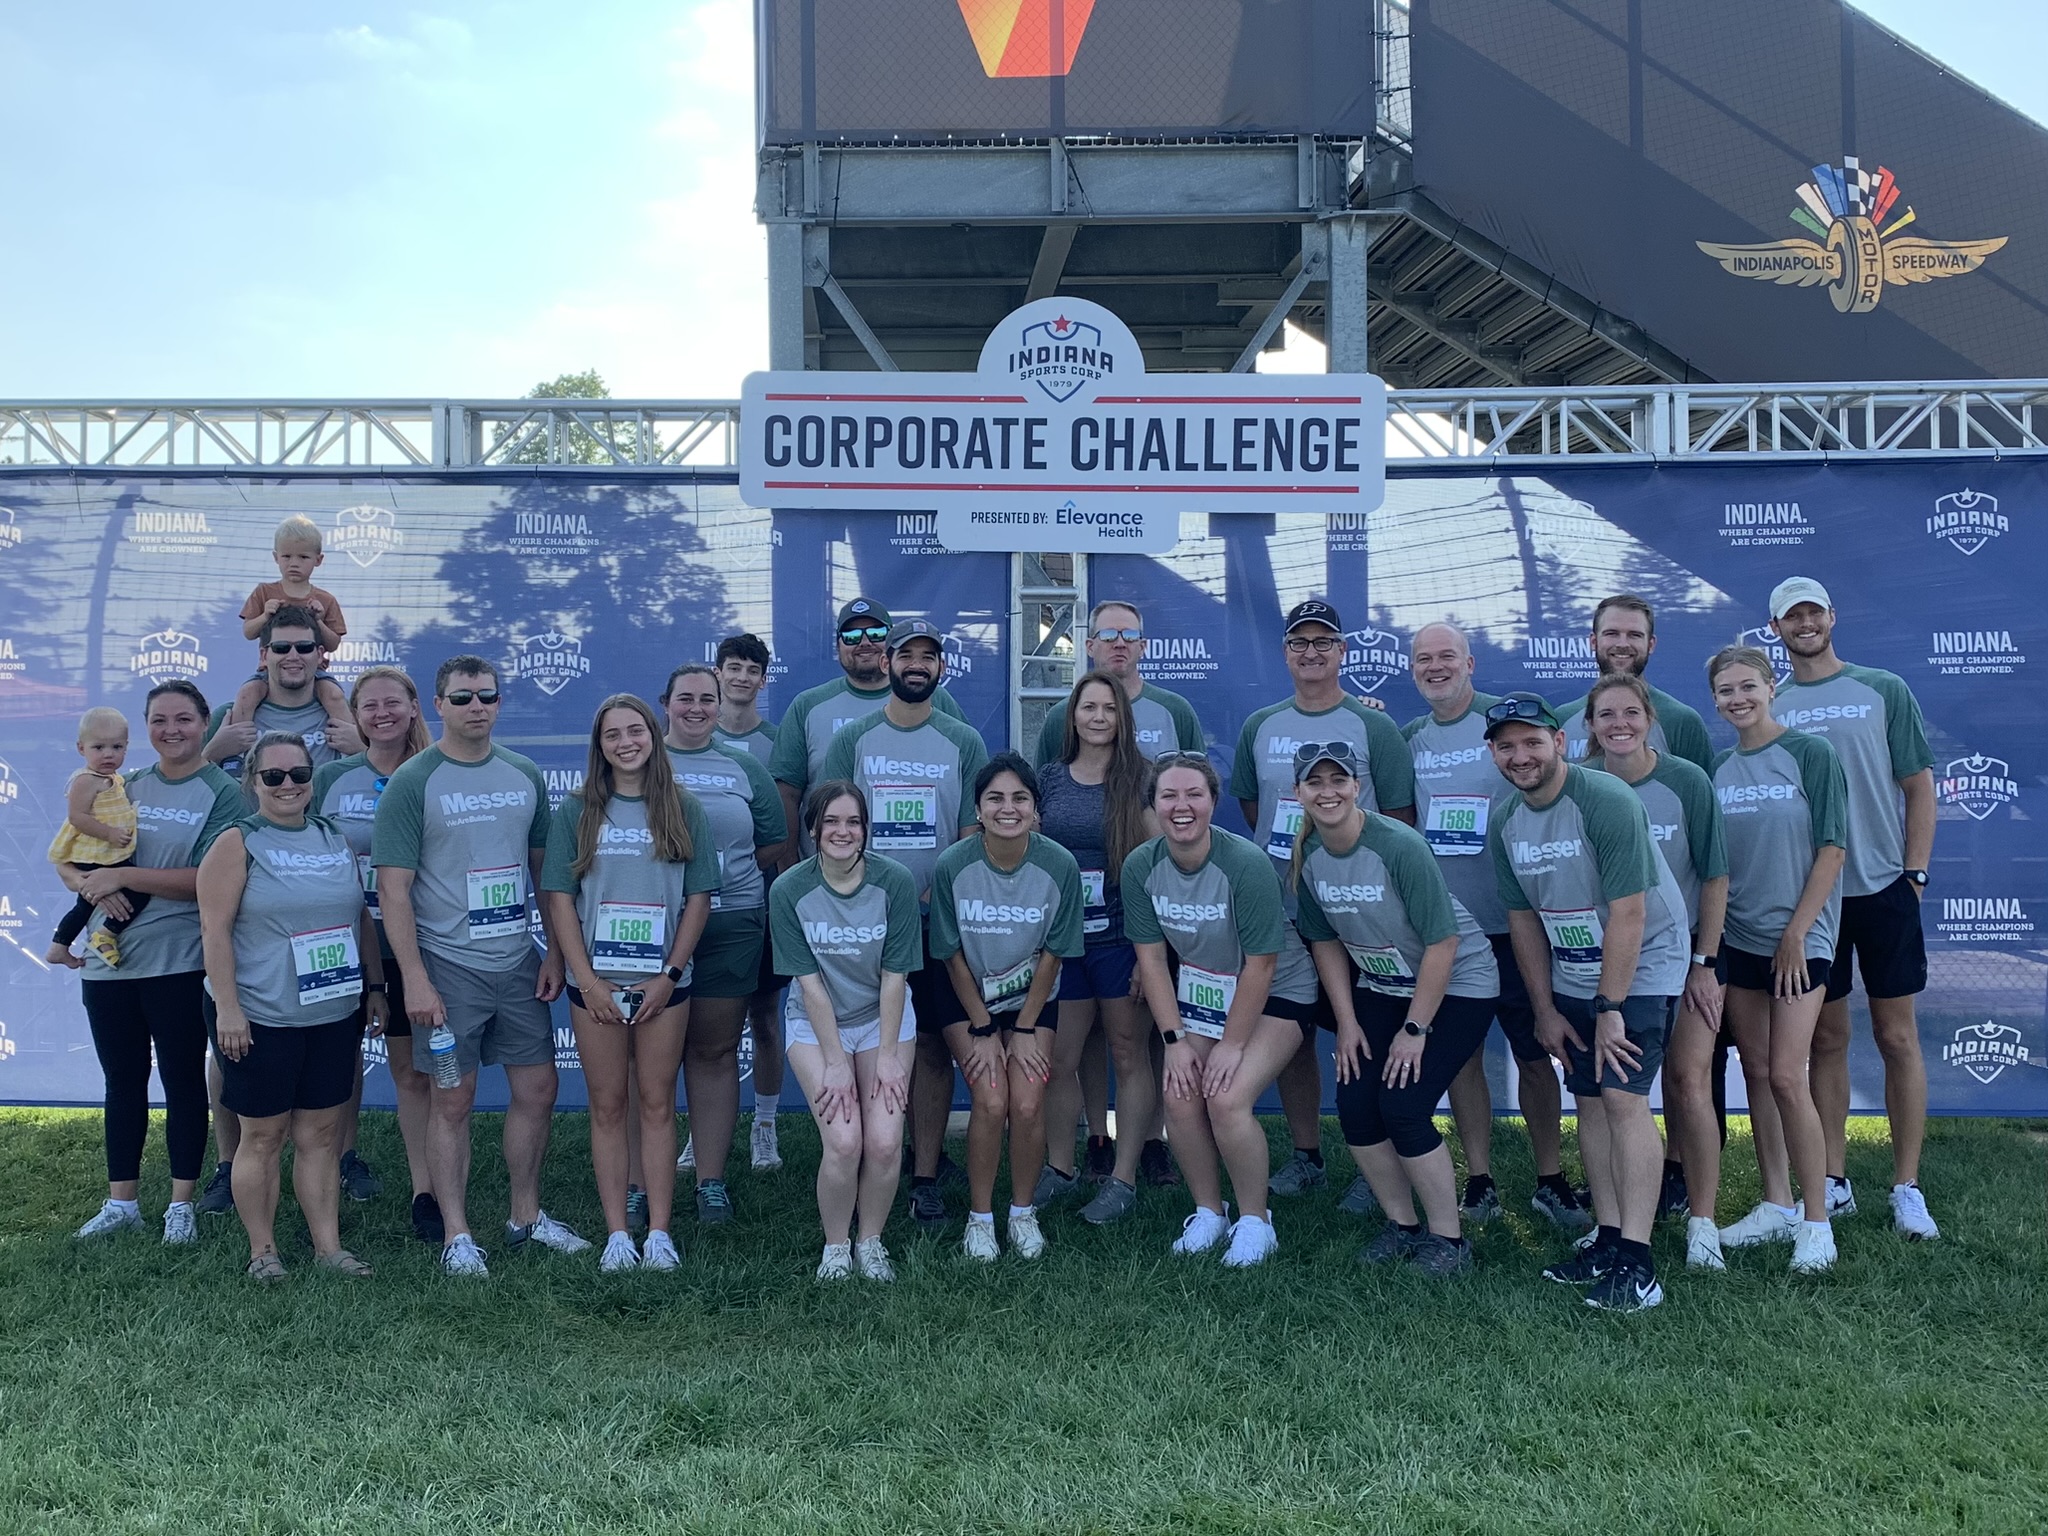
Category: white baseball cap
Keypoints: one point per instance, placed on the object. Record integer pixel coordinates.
(1794, 590)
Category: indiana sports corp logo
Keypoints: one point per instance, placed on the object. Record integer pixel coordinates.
(1985, 1050)
(1026, 39)
(1851, 209)
(552, 661)
(1371, 656)
(10, 786)
(1977, 784)
(1967, 519)
(10, 529)
(365, 534)
(1764, 640)
(169, 655)
(1062, 356)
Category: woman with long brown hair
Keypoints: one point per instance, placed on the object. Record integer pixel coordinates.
(630, 869)
(1092, 803)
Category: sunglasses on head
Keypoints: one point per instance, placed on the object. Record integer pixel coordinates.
(1106, 636)
(854, 634)
(272, 777)
(1530, 710)
(1310, 752)
(462, 696)
(286, 647)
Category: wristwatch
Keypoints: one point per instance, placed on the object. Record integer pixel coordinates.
(1703, 960)
(674, 973)
(1172, 1036)
(1414, 1028)
(1604, 1004)
(1918, 877)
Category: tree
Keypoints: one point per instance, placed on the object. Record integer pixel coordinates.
(576, 441)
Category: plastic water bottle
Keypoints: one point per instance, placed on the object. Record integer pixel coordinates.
(441, 1049)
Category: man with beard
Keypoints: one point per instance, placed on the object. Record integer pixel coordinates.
(914, 766)
(1624, 639)
(1874, 724)
(291, 662)
(816, 715)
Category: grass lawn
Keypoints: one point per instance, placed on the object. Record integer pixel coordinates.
(1106, 1389)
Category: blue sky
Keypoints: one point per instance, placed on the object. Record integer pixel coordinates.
(230, 199)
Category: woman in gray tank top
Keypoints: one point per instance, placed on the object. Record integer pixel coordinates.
(289, 947)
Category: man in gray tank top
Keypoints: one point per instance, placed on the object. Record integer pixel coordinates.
(462, 831)
(291, 662)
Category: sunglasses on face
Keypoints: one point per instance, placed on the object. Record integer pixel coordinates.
(1107, 636)
(286, 647)
(874, 634)
(1317, 643)
(1312, 752)
(1530, 710)
(273, 777)
(462, 696)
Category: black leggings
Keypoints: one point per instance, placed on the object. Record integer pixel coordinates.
(1369, 1110)
(72, 924)
(128, 1015)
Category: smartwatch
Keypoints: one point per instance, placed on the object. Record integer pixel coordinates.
(1604, 1004)
(1172, 1036)
(674, 973)
(375, 986)
(1918, 877)
(1413, 1028)
(1706, 961)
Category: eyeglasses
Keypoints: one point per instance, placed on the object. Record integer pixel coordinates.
(286, 647)
(874, 634)
(272, 777)
(1317, 643)
(462, 696)
(1109, 636)
(1310, 752)
(1534, 711)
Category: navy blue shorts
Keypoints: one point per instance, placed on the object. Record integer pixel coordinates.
(1101, 970)
(1645, 1020)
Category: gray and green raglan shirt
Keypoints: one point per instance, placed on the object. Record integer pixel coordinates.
(1781, 804)
(847, 941)
(813, 718)
(1685, 822)
(465, 830)
(346, 792)
(1456, 784)
(1677, 731)
(918, 783)
(759, 743)
(745, 812)
(1385, 900)
(629, 902)
(1002, 920)
(1873, 722)
(1570, 860)
(175, 821)
(1162, 720)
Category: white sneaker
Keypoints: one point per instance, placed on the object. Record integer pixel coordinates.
(1813, 1250)
(658, 1251)
(1841, 1199)
(1909, 1213)
(548, 1232)
(1200, 1232)
(113, 1217)
(837, 1264)
(181, 1223)
(871, 1258)
(463, 1257)
(619, 1254)
(767, 1157)
(1026, 1241)
(980, 1243)
(687, 1161)
(1766, 1224)
(1252, 1241)
(1703, 1244)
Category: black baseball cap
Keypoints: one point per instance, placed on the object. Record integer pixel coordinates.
(906, 630)
(863, 610)
(1520, 709)
(1314, 611)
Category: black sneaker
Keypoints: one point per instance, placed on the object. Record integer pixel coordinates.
(1391, 1245)
(1441, 1257)
(357, 1181)
(1626, 1288)
(1673, 1200)
(1585, 1266)
(714, 1203)
(218, 1198)
(1481, 1203)
(426, 1220)
(636, 1208)
(1155, 1166)
(1100, 1161)
(927, 1205)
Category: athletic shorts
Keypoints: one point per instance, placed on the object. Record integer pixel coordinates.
(766, 981)
(396, 1025)
(728, 958)
(676, 999)
(1517, 1019)
(1754, 973)
(1101, 970)
(1647, 1023)
(931, 993)
(494, 1016)
(1310, 1016)
(1883, 932)
(306, 1066)
(861, 1037)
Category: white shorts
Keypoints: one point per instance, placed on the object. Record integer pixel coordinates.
(862, 1037)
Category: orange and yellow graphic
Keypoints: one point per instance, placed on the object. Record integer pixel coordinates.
(1020, 39)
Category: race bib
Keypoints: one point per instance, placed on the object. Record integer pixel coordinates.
(1456, 825)
(717, 896)
(1286, 827)
(497, 902)
(631, 938)
(368, 873)
(1094, 901)
(1575, 944)
(1381, 967)
(906, 816)
(1205, 1000)
(1006, 991)
(327, 965)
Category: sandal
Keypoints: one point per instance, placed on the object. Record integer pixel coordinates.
(342, 1262)
(265, 1269)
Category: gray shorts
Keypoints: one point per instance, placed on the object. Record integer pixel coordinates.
(496, 1019)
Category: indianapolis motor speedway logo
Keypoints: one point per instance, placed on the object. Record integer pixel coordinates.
(1859, 250)
(365, 534)
(1985, 1050)
(1061, 356)
(1978, 784)
(1967, 519)
(552, 661)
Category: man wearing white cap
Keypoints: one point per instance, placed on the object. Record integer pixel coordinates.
(1874, 724)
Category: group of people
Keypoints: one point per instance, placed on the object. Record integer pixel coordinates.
(882, 902)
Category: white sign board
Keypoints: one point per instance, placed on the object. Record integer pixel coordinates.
(1062, 441)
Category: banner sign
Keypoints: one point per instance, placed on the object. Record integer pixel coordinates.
(1062, 441)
